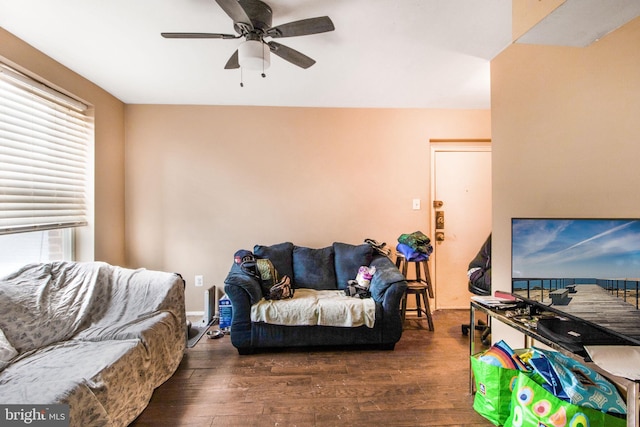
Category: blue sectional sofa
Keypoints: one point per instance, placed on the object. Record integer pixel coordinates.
(324, 269)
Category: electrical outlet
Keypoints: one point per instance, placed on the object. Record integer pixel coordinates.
(199, 280)
(416, 204)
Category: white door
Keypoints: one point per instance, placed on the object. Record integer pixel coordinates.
(461, 181)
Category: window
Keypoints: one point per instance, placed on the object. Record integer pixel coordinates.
(45, 140)
(19, 249)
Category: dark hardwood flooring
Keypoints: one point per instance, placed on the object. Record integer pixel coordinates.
(423, 382)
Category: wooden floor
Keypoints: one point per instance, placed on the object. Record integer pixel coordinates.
(423, 382)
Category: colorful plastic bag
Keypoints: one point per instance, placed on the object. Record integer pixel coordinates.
(494, 385)
(532, 405)
(581, 385)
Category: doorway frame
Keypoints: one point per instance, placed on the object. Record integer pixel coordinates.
(447, 145)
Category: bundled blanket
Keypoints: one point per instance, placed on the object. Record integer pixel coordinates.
(415, 246)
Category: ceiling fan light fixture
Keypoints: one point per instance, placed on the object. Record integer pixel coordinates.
(254, 55)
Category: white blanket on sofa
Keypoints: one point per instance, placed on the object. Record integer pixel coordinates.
(96, 337)
(309, 307)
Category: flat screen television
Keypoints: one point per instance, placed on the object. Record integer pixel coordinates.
(586, 268)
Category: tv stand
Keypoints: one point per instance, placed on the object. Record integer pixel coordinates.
(629, 389)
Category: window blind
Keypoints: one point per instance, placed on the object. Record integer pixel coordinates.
(44, 146)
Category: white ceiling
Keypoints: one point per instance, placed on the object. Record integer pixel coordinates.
(383, 53)
(578, 23)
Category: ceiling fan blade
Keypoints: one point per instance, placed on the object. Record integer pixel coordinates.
(235, 11)
(302, 28)
(198, 36)
(291, 55)
(232, 62)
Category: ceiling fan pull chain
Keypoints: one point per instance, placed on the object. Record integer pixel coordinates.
(241, 79)
(263, 74)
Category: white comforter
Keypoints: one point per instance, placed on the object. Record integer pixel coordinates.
(97, 337)
(309, 307)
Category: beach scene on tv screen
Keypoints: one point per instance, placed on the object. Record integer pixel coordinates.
(548, 254)
(588, 268)
(576, 248)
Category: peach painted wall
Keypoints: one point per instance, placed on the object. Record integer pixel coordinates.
(109, 145)
(566, 134)
(204, 181)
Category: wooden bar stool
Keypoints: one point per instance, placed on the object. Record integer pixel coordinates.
(420, 286)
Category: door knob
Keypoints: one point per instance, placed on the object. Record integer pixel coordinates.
(440, 236)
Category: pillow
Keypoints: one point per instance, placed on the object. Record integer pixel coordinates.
(7, 352)
(348, 259)
(314, 268)
(281, 255)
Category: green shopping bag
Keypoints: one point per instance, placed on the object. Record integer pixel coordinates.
(532, 405)
(493, 389)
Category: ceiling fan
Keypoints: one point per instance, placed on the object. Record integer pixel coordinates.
(252, 20)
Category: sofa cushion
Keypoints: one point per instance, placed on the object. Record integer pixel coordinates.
(281, 255)
(348, 259)
(314, 268)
